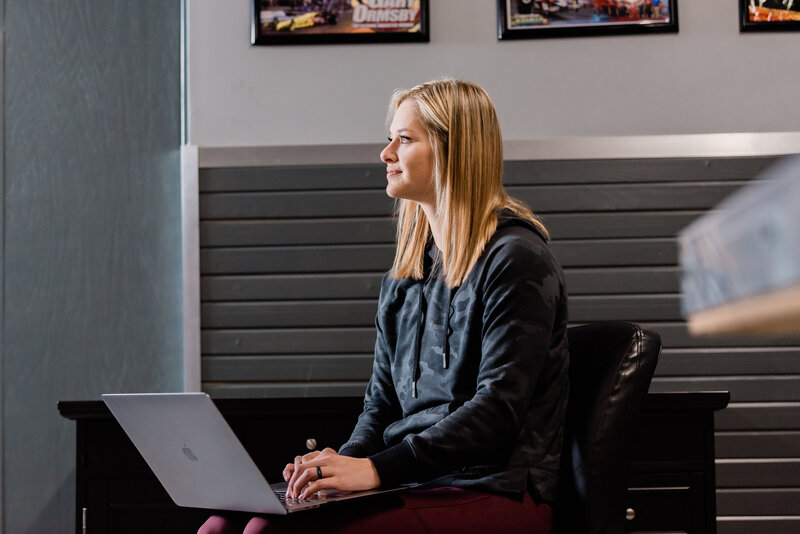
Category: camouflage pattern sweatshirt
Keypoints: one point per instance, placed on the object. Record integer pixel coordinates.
(469, 385)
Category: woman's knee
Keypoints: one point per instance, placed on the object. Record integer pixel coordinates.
(257, 525)
(218, 525)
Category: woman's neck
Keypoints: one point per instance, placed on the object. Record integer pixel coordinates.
(433, 222)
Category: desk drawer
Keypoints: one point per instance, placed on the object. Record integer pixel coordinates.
(665, 503)
(658, 509)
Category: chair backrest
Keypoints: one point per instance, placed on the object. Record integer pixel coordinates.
(611, 365)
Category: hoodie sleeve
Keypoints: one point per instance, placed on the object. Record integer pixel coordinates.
(521, 288)
(381, 405)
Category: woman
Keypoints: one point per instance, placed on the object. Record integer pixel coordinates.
(469, 381)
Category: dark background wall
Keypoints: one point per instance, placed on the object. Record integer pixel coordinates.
(91, 263)
(292, 256)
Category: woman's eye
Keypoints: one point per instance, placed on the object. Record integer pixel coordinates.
(403, 139)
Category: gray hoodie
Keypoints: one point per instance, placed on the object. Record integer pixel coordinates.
(469, 385)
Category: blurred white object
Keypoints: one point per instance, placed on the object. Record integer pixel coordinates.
(741, 261)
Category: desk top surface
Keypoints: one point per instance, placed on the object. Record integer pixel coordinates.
(342, 406)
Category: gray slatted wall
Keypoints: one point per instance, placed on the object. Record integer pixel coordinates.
(291, 261)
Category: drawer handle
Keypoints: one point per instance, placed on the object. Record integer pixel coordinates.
(630, 513)
(311, 444)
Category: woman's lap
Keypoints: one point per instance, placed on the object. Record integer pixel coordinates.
(437, 511)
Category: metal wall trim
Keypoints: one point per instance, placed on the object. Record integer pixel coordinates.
(618, 147)
(190, 242)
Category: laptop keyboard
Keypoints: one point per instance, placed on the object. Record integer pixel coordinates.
(282, 497)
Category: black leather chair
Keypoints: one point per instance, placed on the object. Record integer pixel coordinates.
(611, 365)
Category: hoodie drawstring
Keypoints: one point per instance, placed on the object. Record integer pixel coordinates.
(446, 331)
(448, 314)
(418, 340)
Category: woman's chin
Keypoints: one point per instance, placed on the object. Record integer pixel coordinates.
(393, 191)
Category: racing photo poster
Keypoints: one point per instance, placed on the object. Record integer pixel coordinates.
(338, 21)
(769, 15)
(525, 19)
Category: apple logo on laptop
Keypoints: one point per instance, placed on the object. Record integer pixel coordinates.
(189, 454)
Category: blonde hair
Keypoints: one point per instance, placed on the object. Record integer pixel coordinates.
(464, 133)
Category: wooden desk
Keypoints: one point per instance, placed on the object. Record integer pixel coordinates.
(671, 474)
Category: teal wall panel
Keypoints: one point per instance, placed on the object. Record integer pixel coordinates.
(2, 258)
(92, 250)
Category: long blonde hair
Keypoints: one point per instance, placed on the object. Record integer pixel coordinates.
(464, 133)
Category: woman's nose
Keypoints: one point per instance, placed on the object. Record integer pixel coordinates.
(388, 154)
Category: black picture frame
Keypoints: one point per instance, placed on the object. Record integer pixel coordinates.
(753, 18)
(532, 19)
(292, 22)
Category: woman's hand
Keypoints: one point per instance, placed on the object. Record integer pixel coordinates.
(338, 472)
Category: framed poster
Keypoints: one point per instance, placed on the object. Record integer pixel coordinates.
(527, 19)
(769, 15)
(338, 21)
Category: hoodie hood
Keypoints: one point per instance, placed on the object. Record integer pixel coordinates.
(507, 218)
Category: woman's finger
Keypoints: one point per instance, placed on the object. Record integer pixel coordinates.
(297, 471)
(298, 461)
(318, 477)
(317, 485)
(287, 472)
(300, 481)
(310, 456)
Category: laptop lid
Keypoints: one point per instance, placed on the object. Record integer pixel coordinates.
(193, 451)
(199, 460)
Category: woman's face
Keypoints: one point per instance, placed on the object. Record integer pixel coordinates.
(409, 158)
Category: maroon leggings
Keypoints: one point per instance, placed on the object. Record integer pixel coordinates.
(436, 511)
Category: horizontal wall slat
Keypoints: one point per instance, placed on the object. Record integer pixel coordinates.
(288, 390)
(618, 224)
(621, 280)
(756, 501)
(676, 335)
(759, 473)
(329, 259)
(289, 314)
(292, 178)
(758, 525)
(542, 199)
(289, 341)
(580, 281)
(296, 232)
(623, 197)
(758, 444)
(354, 258)
(515, 172)
(742, 388)
(261, 232)
(624, 308)
(612, 252)
(278, 368)
(357, 203)
(347, 340)
(291, 286)
(362, 312)
(729, 361)
(759, 416)
(633, 170)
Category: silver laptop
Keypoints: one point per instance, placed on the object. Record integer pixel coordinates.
(200, 461)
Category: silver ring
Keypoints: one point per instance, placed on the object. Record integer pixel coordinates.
(319, 472)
